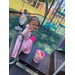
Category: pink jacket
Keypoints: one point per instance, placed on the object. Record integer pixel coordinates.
(25, 45)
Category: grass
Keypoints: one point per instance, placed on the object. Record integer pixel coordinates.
(17, 5)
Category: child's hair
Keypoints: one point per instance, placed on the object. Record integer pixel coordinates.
(34, 18)
(25, 9)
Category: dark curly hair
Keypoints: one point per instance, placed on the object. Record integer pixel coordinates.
(34, 18)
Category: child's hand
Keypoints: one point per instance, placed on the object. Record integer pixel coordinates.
(30, 29)
(20, 10)
(35, 28)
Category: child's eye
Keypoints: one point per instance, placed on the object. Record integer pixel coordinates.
(36, 25)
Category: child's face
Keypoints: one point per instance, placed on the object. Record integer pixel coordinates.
(25, 11)
(34, 24)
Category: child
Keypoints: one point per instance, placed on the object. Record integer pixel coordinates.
(23, 18)
(32, 25)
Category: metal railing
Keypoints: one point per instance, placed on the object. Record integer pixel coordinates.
(63, 64)
(17, 30)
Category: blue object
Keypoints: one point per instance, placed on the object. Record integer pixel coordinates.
(54, 23)
(61, 13)
(46, 25)
(62, 25)
(50, 25)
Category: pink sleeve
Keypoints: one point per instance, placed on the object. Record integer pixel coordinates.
(16, 47)
(25, 29)
(27, 25)
(18, 42)
(26, 47)
(28, 35)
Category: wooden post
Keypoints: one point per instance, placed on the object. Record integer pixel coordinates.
(35, 6)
